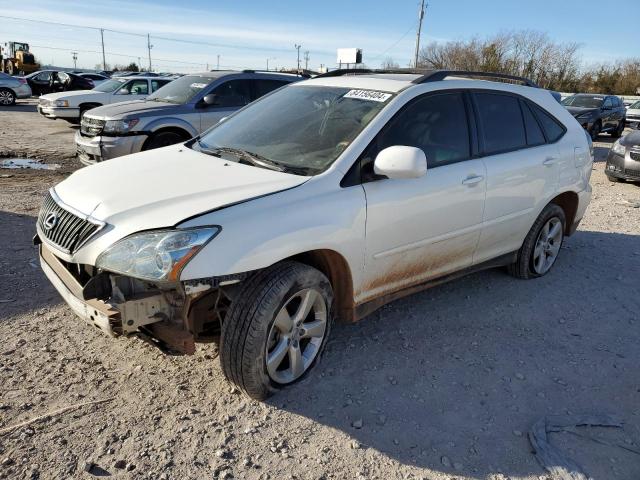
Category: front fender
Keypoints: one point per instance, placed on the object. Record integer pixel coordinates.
(171, 122)
(266, 230)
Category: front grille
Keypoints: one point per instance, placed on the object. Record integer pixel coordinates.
(91, 127)
(64, 229)
(632, 173)
(44, 102)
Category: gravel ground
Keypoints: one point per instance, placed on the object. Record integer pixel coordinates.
(443, 384)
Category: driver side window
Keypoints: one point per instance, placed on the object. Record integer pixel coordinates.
(234, 93)
(437, 124)
(608, 103)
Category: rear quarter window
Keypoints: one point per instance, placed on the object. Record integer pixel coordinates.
(553, 129)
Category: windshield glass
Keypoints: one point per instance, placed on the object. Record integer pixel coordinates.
(302, 128)
(110, 85)
(583, 101)
(181, 90)
(636, 106)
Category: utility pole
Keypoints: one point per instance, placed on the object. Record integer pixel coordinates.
(297, 47)
(149, 47)
(306, 60)
(75, 58)
(420, 17)
(218, 64)
(104, 60)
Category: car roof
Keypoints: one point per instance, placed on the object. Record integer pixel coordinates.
(139, 77)
(222, 73)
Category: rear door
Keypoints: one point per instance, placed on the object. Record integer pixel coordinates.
(419, 229)
(231, 96)
(522, 169)
(137, 89)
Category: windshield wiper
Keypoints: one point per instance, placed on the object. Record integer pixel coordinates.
(252, 158)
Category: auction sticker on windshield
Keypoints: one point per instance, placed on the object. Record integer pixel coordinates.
(198, 85)
(370, 95)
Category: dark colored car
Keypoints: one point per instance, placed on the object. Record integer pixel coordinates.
(50, 81)
(623, 162)
(597, 113)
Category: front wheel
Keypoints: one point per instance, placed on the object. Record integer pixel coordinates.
(617, 133)
(596, 128)
(7, 97)
(162, 139)
(276, 328)
(542, 244)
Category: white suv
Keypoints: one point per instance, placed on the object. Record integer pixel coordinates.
(322, 200)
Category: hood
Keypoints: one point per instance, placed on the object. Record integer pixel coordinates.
(136, 108)
(576, 111)
(70, 95)
(631, 139)
(161, 188)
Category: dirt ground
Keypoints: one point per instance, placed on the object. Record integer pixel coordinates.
(444, 384)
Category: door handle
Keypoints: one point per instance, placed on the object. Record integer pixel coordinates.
(549, 161)
(472, 180)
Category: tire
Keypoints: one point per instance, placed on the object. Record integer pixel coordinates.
(617, 133)
(535, 247)
(595, 131)
(7, 97)
(163, 139)
(613, 179)
(254, 331)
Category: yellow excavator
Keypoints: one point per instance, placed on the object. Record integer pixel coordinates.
(15, 58)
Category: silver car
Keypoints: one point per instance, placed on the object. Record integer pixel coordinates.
(12, 88)
(176, 112)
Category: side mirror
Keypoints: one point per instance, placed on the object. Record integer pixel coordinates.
(400, 162)
(123, 91)
(210, 99)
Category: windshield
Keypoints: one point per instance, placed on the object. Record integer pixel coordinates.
(300, 128)
(583, 101)
(182, 90)
(110, 85)
(636, 106)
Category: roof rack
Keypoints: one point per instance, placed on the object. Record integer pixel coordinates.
(252, 70)
(427, 76)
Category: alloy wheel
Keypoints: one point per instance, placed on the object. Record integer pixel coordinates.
(547, 246)
(6, 98)
(296, 336)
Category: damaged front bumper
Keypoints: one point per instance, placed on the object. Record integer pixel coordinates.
(130, 308)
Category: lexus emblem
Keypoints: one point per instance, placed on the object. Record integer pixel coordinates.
(50, 221)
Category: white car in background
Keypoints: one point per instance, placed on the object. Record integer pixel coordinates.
(323, 199)
(71, 105)
(633, 115)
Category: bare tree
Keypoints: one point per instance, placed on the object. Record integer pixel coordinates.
(389, 64)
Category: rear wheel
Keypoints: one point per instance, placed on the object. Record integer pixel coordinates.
(7, 96)
(163, 139)
(276, 328)
(542, 244)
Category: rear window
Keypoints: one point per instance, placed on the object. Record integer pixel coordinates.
(553, 130)
(534, 132)
(502, 126)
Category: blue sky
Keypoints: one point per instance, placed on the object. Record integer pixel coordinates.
(247, 33)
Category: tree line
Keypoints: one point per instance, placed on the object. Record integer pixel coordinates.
(532, 54)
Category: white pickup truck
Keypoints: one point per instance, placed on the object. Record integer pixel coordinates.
(70, 106)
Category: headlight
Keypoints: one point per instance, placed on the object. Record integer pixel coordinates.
(157, 255)
(619, 149)
(120, 126)
(61, 103)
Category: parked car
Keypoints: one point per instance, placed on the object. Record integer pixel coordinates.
(327, 198)
(175, 113)
(623, 162)
(48, 81)
(12, 88)
(597, 113)
(97, 79)
(70, 106)
(633, 115)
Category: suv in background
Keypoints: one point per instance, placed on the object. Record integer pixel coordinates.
(598, 113)
(327, 198)
(70, 106)
(633, 115)
(181, 110)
